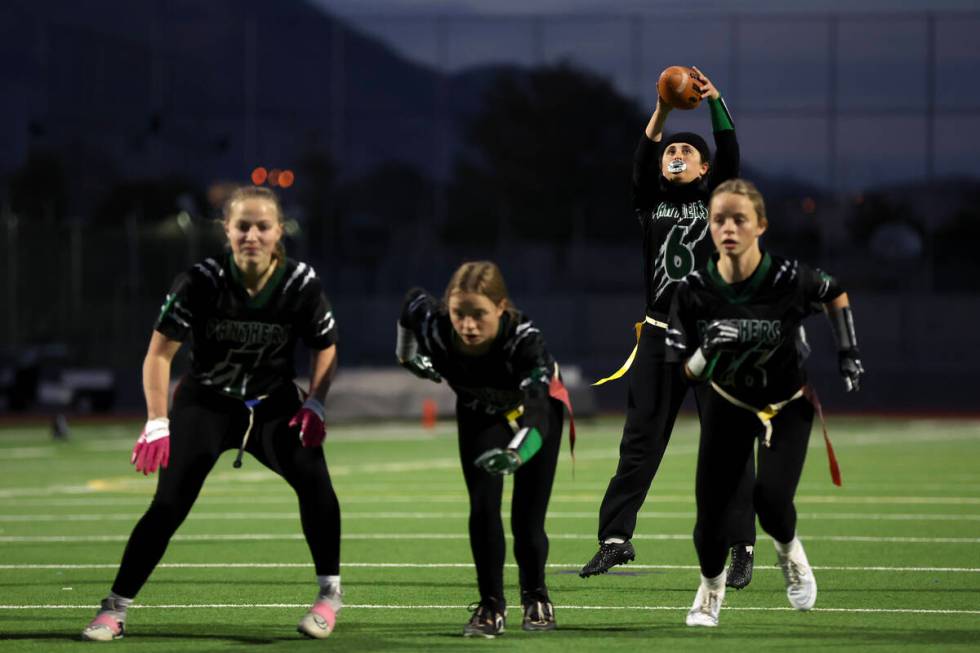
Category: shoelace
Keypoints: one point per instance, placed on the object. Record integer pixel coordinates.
(477, 609)
(709, 602)
(481, 613)
(537, 612)
(792, 572)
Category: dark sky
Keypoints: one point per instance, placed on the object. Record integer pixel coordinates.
(833, 92)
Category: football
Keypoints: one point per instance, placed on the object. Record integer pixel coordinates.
(679, 88)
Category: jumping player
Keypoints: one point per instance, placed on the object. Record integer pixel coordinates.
(509, 415)
(243, 315)
(672, 181)
(735, 325)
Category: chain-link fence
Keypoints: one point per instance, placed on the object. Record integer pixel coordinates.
(865, 128)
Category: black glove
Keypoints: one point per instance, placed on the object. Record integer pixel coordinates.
(719, 335)
(848, 357)
(498, 461)
(421, 366)
(407, 353)
(849, 364)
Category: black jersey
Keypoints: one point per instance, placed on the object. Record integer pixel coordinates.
(674, 218)
(244, 346)
(765, 366)
(515, 371)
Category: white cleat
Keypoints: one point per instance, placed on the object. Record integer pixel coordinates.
(801, 586)
(707, 605)
(319, 622)
(104, 628)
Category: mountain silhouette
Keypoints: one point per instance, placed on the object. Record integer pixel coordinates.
(208, 90)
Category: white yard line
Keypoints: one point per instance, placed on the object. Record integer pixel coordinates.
(292, 514)
(51, 453)
(355, 606)
(884, 436)
(236, 537)
(92, 494)
(460, 565)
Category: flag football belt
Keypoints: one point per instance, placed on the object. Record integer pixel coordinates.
(767, 414)
(512, 417)
(629, 361)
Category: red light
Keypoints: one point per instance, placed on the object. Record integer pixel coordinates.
(274, 177)
(809, 205)
(286, 178)
(259, 176)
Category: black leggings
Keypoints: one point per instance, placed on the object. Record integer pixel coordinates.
(532, 490)
(656, 390)
(728, 434)
(203, 424)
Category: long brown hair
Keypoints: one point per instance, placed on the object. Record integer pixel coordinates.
(482, 278)
(747, 189)
(256, 192)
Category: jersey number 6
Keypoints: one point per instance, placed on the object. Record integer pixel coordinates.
(678, 259)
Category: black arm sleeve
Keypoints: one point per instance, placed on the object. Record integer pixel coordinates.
(682, 337)
(646, 174)
(727, 159)
(419, 315)
(415, 307)
(534, 366)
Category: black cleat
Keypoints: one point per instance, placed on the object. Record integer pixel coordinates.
(740, 570)
(487, 620)
(608, 556)
(539, 613)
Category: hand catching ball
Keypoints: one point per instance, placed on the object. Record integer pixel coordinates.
(678, 86)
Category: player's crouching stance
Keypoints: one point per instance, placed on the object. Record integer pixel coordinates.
(736, 325)
(243, 315)
(509, 416)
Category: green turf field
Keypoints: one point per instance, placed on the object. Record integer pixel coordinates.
(896, 549)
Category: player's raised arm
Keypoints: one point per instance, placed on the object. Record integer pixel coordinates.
(645, 157)
(727, 162)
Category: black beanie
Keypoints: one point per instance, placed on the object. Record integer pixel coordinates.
(691, 139)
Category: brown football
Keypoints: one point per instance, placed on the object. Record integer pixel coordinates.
(679, 88)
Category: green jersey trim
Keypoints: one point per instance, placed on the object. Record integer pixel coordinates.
(262, 298)
(748, 292)
(168, 302)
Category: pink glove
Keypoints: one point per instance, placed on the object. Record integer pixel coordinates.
(152, 448)
(309, 419)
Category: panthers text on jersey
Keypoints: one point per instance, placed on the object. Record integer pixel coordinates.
(241, 345)
(768, 308)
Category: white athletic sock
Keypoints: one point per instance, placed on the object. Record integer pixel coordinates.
(614, 540)
(714, 584)
(788, 547)
(329, 588)
(120, 604)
